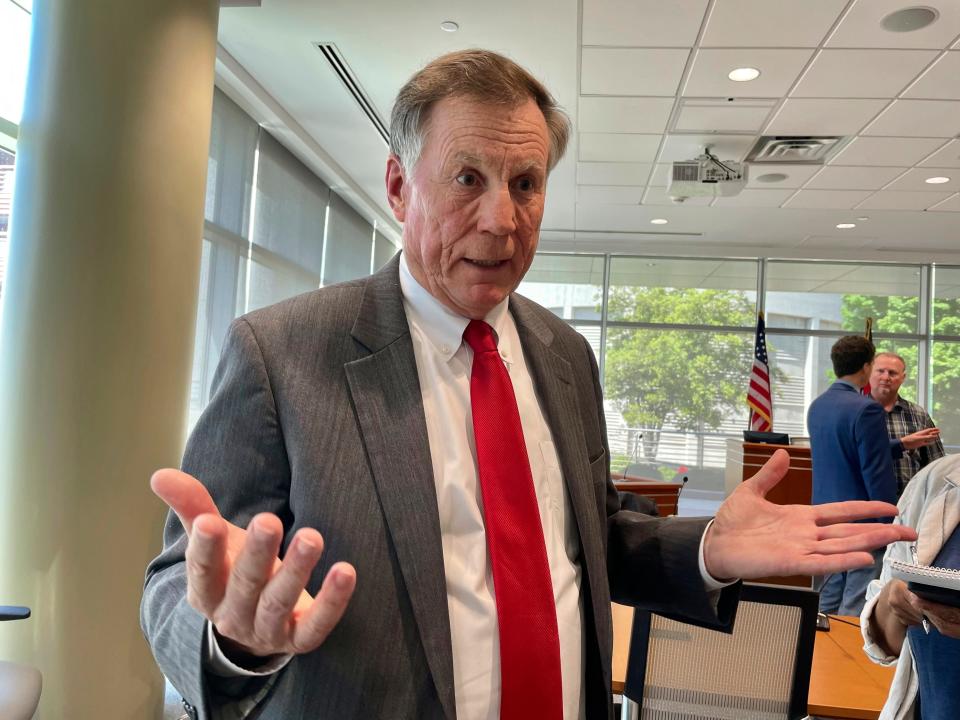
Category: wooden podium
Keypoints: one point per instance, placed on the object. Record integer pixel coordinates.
(744, 459)
(665, 494)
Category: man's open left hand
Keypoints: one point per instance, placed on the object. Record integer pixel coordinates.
(752, 537)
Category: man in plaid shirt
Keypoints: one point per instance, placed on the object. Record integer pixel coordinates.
(914, 439)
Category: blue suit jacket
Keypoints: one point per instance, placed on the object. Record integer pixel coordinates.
(849, 447)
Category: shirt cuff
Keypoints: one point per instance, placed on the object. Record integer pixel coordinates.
(709, 581)
(871, 647)
(216, 662)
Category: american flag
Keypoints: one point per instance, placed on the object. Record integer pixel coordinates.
(759, 398)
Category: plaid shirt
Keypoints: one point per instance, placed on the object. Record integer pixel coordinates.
(906, 418)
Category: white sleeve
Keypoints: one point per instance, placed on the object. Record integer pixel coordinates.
(709, 581)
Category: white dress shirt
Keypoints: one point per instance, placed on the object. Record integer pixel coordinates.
(444, 363)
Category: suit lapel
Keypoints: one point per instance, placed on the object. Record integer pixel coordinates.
(556, 387)
(385, 389)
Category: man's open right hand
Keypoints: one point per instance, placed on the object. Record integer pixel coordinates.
(256, 602)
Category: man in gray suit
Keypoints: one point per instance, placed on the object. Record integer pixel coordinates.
(334, 545)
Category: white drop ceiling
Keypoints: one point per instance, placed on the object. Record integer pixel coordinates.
(645, 83)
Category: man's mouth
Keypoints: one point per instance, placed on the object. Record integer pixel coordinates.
(485, 263)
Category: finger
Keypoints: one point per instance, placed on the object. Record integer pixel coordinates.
(851, 510)
(327, 609)
(771, 473)
(281, 593)
(185, 495)
(252, 568)
(854, 537)
(827, 564)
(207, 564)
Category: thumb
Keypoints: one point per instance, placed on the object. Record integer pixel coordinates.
(770, 474)
(185, 495)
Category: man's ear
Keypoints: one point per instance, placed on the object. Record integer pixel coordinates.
(395, 180)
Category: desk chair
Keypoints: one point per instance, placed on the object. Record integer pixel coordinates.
(759, 671)
(19, 684)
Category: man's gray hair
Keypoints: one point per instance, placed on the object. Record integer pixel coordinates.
(477, 74)
(890, 354)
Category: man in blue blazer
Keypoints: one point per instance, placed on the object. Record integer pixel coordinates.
(851, 457)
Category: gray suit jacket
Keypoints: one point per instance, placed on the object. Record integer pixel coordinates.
(317, 416)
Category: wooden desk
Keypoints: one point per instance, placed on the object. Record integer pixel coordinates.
(843, 682)
(665, 494)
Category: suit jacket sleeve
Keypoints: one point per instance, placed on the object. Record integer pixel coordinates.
(654, 563)
(873, 448)
(237, 451)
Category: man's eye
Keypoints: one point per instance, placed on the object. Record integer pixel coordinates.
(525, 184)
(467, 179)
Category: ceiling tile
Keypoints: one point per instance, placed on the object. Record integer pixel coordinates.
(705, 116)
(915, 180)
(661, 175)
(642, 22)
(951, 204)
(861, 27)
(796, 175)
(658, 196)
(827, 199)
(770, 24)
(631, 71)
(902, 200)
(751, 197)
(835, 177)
(862, 73)
(778, 69)
(835, 116)
(947, 156)
(891, 151)
(918, 118)
(624, 114)
(940, 82)
(610, 194)
(612, 173)
(687, 147)
(618, 147)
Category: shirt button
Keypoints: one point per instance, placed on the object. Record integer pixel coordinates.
(444, 349)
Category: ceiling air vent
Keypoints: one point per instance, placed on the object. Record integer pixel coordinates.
(343, 71)
(800, 149)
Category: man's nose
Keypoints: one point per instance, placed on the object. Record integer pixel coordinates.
(497, 212)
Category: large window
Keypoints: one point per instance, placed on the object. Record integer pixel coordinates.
(272, 230)
(674, 340)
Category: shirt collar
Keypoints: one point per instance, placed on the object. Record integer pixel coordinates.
(442, 327)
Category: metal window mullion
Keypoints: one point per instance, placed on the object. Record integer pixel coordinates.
(925, 350)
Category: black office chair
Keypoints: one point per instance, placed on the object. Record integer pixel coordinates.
(20, 685)
(760, 670)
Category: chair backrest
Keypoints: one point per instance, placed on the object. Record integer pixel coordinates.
(20, 685)
(759, 671)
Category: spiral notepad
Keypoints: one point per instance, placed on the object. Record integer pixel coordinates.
(940, 585)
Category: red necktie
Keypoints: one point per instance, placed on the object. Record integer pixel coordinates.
(526, 612)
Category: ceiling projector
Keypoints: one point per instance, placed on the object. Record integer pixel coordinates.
(706, 176)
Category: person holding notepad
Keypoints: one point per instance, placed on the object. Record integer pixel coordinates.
(900, 626)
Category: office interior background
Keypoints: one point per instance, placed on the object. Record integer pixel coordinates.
(859, 220)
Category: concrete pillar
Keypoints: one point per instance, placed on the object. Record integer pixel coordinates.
(97, 331)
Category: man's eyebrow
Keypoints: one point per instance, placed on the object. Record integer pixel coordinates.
(474, 160)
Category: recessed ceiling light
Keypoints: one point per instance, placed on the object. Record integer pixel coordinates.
(743, 74)
(863, 218)
(659, 221)
(771, 177)
(939, 180)
(449, 26)
(845, 226)
(909, 19)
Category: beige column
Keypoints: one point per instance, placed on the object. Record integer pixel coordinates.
(97, 331)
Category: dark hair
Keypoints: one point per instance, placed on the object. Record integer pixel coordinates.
(480, 75)
(850, 353)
